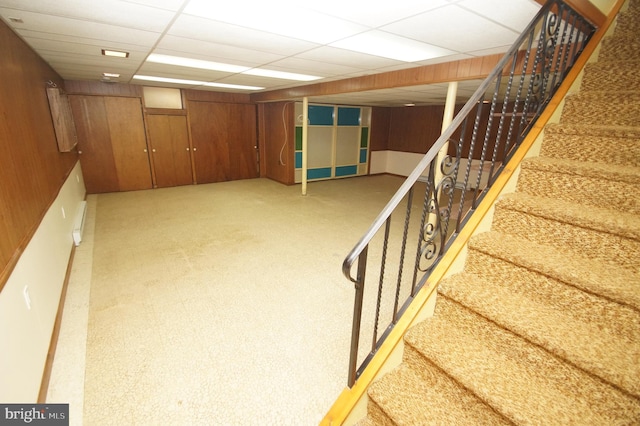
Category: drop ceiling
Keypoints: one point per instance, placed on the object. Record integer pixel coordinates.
(329, 40)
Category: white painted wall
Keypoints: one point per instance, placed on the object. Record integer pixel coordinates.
(25, 333)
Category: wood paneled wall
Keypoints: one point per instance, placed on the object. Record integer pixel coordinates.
(32, 170)
(277, 138)
(415, 129)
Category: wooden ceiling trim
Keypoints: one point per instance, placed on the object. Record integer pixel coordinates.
(465, 69)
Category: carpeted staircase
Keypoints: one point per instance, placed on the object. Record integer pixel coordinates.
(543, 325)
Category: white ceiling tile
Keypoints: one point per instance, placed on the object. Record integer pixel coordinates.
(113, 12)
(436, 27)
(373, 13)
(198, 49)
(513, 14)
(344, 57)
(80, 28)
(233, 35)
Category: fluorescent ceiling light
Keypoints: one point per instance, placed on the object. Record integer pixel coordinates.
(281, 74)
(233, 86)
(195, 63)
(116, 53)
(386, 45)
(217, 66)
(168, 80)
(193, 82)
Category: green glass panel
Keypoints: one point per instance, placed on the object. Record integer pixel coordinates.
(298, 138)
(364, 137)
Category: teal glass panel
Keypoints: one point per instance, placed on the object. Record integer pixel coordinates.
(324, 172)
(298, 160)
(348, 116)
(364, 137)
(346, 170)
(298, 138)
(363, 155)
(320, 115)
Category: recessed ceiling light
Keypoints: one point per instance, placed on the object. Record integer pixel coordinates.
(110, 74)
(410, 104)
(116, 53)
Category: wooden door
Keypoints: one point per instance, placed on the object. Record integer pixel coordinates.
(112, 142)
(129, 143)
(224, 141)
(94, 143)
(169, 143)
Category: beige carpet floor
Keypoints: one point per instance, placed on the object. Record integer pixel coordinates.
(221, 304)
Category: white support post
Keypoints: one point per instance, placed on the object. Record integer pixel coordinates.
(305, 133)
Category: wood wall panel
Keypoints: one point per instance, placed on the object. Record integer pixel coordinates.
(277, 141)
(170, 151)
(414, 129)
(129, 143)
(105, 89)
(224, 139)
(380, 122)
(32, 170)
(94, 143)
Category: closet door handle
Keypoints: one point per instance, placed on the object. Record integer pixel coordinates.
(153, 150)
(145, 150)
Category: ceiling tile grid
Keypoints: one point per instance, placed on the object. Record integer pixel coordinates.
(328, 40)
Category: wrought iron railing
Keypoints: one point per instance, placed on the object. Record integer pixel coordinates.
(456, 173)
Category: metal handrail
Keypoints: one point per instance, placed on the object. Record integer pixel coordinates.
(552, 41)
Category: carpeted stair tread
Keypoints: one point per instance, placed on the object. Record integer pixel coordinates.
(622, 46)
(425, 396)
(601, 234)
(621, 286)
(591, 217)
(582, 182)
(611, 76)
(593, 143)
(562, 319)
(621, 109)
(519, 380)
(627, 174)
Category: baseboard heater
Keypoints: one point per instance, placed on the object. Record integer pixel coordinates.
(78, 225)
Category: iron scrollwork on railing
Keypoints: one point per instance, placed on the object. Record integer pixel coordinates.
(484, 135)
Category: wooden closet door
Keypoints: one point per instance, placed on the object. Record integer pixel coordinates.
(94, 143)
(129, 143)
(224, 141)
(169, 143)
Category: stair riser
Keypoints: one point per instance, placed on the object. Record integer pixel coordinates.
(377, 416)
(620, 196)
(614, 151)
(614, 111)
(618, 49)
(597, 244)
(608, 79)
